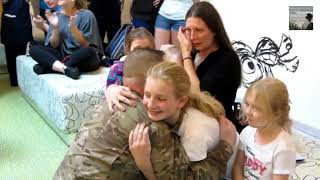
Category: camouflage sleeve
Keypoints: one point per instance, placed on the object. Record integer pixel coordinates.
(214, 166)
(100, 150)
(168, 157)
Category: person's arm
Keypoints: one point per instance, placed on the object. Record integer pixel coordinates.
(222, 153)
(35, 4)
(280, 177)
(76, 33)
(40, 23)
(186, 48)
(237, 171)
(215, 165)
(54, 23)
(140, 148)
(55, 37)
(115, 94)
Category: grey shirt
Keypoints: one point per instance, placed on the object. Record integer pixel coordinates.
(86, 23)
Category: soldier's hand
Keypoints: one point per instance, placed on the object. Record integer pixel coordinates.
(228, 131)
(115, 94)
(140, 147)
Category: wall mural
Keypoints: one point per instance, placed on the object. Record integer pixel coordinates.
(258, 64)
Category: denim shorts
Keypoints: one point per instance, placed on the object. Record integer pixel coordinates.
(167, 24)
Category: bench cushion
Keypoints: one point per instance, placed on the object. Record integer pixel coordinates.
(64, 102)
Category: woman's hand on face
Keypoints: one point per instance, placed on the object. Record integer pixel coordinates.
(228, 131)
(53, 19)
(184, 40)
(140, 147)
(115, 94)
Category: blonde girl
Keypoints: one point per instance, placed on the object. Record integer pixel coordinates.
(266, 149)
(167, 98)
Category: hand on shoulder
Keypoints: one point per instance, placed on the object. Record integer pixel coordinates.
(228, 131)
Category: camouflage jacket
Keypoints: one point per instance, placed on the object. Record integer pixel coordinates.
(100, 150)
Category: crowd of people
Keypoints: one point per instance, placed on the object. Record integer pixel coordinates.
(168, 112)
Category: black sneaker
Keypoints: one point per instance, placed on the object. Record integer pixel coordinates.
(72, 72)
(39, 69)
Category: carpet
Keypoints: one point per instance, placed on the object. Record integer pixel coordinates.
(29, 148)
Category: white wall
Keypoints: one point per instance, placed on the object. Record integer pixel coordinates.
(250, 20)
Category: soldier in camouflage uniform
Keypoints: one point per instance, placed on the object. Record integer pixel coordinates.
(100, 150)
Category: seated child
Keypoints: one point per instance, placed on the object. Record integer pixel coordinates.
(267, 148)
(137, 38)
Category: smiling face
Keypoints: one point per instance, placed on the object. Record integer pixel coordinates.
(201, 36)
(161, 101)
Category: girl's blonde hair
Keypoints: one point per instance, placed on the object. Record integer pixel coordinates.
(179, 79)
(81, 4)
(138, 33)
(272, 95)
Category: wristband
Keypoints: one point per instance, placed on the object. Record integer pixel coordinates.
(187, 58)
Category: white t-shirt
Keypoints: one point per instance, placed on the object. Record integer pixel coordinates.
(175, 9)
(198, 134)
(262, 161)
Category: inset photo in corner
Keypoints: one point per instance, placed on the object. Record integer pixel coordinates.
(300, 17)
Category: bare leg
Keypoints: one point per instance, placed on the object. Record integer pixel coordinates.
(161, 37)
(174, 39)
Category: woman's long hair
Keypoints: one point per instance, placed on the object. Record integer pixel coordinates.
(210, 16)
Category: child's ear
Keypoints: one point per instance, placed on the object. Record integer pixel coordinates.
(183, 101)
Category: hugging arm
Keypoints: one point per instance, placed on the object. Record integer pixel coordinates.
(76, 33)
(215, 165)
(140, 148)
(115, 94)
(237, 171)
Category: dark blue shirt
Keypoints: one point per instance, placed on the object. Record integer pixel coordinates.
(16, 26)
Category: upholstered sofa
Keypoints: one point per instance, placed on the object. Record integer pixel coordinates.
(63, 102)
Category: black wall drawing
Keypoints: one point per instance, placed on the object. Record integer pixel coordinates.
(258, 64)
